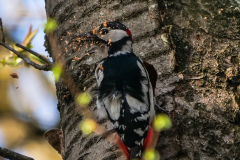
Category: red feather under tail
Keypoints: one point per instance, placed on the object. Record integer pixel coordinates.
(123, 147)
(148, 140)
(146, 144)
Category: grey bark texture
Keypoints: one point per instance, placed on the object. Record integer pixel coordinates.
(193, 44)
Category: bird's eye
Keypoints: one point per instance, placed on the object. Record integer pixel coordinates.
(104, 31)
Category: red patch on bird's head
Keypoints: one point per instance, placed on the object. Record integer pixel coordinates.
(129, 33)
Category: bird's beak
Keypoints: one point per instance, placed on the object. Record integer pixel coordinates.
(90, 37)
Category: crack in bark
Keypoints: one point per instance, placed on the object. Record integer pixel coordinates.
(75, 122)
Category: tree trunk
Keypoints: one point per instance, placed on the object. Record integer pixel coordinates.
(194, 46)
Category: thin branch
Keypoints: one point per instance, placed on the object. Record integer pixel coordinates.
(35, 54)
(28, 61)
(47, 67)
(6, 153)
(1, 29)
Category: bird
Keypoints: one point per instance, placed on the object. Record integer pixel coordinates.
(125, 88)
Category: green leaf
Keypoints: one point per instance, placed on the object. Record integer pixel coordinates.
(151, 154)
(51, 25)
(3, 61)
(35, 58)
(16, 60)
(11, 60)
(29, 38)
(57, 71)
(87, 126)
(84, 99)
(162, 122)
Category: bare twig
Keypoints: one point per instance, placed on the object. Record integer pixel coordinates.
(46, 67)
(35, 54)
(28, 61)
(1, 29)
(6, 153)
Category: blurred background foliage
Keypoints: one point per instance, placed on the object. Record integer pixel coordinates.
(28, 105)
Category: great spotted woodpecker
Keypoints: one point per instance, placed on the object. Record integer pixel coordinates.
(124, 88)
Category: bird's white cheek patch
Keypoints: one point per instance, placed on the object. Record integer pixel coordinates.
(116, 35)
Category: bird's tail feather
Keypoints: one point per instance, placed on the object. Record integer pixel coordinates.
(136, 152)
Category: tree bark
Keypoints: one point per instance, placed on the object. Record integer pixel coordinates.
(194, 46)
